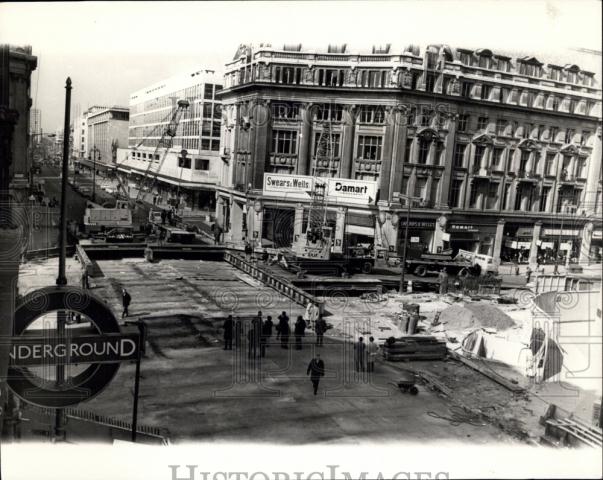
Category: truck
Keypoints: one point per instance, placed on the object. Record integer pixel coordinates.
(462, 264)
(101, 220)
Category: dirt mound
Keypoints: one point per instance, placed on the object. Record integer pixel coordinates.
(475, 315)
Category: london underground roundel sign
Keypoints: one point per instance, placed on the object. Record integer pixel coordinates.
(93, 348)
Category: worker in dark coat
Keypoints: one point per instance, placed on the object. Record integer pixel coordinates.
(320, 328)
(316, 369)
(359, 355)
(299, 331)
(163, 216)
(125, 300)
(266, 334)
(283, 329)
(228, 328)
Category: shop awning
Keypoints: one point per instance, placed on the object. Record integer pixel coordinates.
(359, 230)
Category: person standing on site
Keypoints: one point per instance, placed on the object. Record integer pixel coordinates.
(320, 329)
(266, 334)
(371, 349)
(125, 300)
(299, 331)
(228, 327)
(443, 276)
(359, 353)
(284, 330)
(163, 216)
(316, 369)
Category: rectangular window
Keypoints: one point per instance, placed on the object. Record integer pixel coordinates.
(208, 91)
(497, 157)
(523, 161)
(372, 114)
(505, 198)
(420, 187)
(284, 141)
(328, 112)
(215, 145)
(217, 111)
(205, 144)
(201, 164)
(473, 196)
(424, 146)
(329, 145)
(369, 147)
(569, 135)
(404, 187)
(501, 125)
(486, 89)
(479, 153)
(206, 128)
(184, 162)
(407, 150)
(584, 137)
(463, 123)
(492, 199)
(215, 129)
(284, 110)
(207, 110)
(482, 123)
(581, 168)
(554, 131)
(544, 199)
(466, 89)
(549, 166)
(455, 193)
(459, 154)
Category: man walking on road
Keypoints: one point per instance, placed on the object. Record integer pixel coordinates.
(316, 369)
(125, 299)
(443, 277)
(228, 327)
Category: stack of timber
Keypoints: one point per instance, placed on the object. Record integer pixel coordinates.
(414, 347)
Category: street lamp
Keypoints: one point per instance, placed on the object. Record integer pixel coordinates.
(94, 152)
(409, 201)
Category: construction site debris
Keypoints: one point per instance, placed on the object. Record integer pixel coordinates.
(416, 347)
(475, 315)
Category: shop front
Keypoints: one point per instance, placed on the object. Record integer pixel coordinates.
(420, 236)
(557, 244)
(360, 230)
(517, 243)
(463, 236)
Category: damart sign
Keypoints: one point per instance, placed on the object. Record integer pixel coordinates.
(337, 190)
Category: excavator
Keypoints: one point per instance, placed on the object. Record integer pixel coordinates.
(116, 223)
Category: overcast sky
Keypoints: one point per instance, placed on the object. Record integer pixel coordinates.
(110, 49)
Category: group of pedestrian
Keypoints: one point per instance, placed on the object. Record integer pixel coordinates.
(365, 355)
(169, 216)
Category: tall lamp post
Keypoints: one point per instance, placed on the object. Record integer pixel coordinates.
(409, 199)
(94, 152)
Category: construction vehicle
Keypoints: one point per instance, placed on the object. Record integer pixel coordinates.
(101, 220)
(312, 250)
(462, 264)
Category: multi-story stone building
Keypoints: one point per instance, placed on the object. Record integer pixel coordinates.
(16, 66)
(504, 153)
(192, 165)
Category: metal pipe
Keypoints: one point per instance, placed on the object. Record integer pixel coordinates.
(403, 268)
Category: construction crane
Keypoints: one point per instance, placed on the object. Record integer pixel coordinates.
(316, 243)
(165, 142)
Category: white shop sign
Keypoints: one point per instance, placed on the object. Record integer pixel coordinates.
(352, 191)
(564, 233)
(338, 190)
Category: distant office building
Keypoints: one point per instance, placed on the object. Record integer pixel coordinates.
(107, 131)
(35, 125)
(189, 170)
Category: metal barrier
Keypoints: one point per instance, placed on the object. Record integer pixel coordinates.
(47, 252)
(86, 415)
(564, 283)
(267, 278)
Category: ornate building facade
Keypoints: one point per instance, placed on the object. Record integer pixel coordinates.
(502, 155)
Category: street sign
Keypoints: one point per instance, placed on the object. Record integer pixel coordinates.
(338, 190)
(97, 346)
